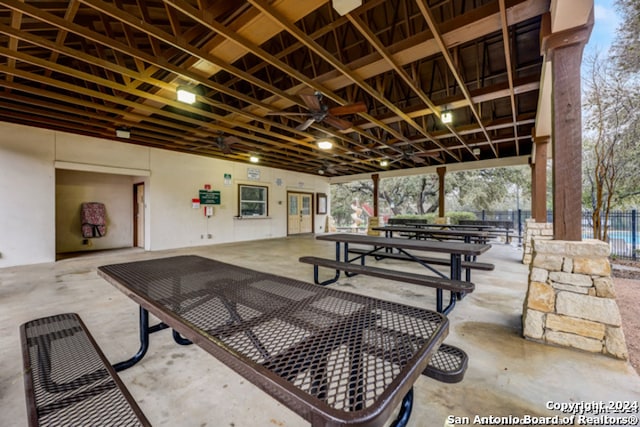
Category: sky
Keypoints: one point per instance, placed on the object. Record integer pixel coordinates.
(606, 22)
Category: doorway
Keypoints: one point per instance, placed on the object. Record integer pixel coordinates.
(138, 215)
(300, 213)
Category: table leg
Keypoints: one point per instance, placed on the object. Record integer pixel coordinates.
(316, 269)
(144, 343)
(179, 339)
(456, 272)
(346, 258)
(456, 267)
(145, 330)
(405, 410)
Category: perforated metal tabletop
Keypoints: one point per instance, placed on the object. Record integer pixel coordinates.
(333, 357)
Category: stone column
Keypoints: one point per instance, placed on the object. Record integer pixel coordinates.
(570, 301)
(534, 230)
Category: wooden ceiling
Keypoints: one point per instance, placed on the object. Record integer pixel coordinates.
(91, 67)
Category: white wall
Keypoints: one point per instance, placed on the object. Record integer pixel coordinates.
(26, 196)
(29, 158)
(177, 178)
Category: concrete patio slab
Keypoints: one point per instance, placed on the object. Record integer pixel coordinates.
(184, 386)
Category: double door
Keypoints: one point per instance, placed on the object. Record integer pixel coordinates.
(300, 217)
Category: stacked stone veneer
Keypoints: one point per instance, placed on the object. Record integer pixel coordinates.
(534, 230)
(570, 300)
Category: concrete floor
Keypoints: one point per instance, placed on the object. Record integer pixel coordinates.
(184, 386)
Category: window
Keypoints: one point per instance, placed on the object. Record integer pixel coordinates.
(253, 200)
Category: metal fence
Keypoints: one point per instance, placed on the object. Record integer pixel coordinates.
(623, 234)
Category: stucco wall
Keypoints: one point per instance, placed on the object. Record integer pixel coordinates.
(26, 196)
(29, 158)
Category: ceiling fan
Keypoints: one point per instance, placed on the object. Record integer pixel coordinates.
(319, 112)
(224, 143)
(332, 168)
(414, 156)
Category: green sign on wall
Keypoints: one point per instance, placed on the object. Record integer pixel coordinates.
(209, 197)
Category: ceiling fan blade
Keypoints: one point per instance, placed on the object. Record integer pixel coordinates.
(222, 146)
(333, 168)
(417, 159)
(231, 140)
(306, 124)
(225, 148)
(284, 113)
(358, 107)
(337, 123)
(311, 99)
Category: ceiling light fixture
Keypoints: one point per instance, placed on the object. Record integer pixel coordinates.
(123, 133)
(324, 144)
(345, 6)
(476, 151)
(384, 163)
(254, 159)
(446, 116)
(186, 94)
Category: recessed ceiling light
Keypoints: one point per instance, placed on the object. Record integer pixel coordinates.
(186, 95)
(446, 117)
(254, 159)
(325, 144)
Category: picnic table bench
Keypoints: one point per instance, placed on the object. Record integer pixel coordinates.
(455, 287)
(406, 221)
(466, 265)
(499, 226)
(68, 381)
(352, 266)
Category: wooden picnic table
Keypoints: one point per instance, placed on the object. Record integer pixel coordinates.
(333, 357)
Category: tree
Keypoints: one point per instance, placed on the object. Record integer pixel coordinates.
(626, 48)
(410, 194)
(416, 194)
(489, 189)
(612, 129)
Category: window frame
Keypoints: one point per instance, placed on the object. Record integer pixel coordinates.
(264, 200)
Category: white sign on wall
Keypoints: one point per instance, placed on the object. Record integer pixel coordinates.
(253, 174)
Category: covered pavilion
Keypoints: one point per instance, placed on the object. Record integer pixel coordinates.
(89, 113)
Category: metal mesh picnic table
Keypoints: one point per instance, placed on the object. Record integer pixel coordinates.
(333, 357)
